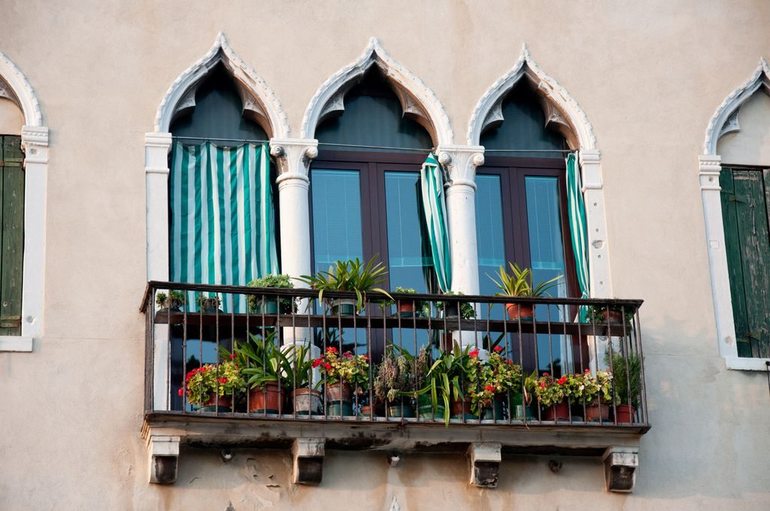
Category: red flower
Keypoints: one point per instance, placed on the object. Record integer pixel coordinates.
(347, 354)
(331, 349)
(223, 380)
(587, 371)
(317, 362)
(562, 380)
(328, 366)
(489, 388)
(546, 374)
(474, 353)
(509, 362)
(498, 348)
(232, 356)
(180, 392)
(365, 357)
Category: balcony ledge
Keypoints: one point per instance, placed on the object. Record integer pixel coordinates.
(401, 436)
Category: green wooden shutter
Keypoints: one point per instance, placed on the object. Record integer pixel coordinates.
(745, 199)
(12, 239)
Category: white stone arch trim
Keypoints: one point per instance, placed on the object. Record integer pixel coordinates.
(259, 100)
(34, 140)
(560, 108)
(417, 100)
(722, 122)
(725, 118)
(15, 86)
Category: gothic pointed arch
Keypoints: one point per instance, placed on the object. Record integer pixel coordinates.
(562, 112)
(259, 101)
(725, 118)
(417, 100)
(15, 87)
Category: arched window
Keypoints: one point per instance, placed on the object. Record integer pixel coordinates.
(521, 212)
(365, 186)
(220, 190)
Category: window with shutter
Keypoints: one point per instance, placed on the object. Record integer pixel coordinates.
(12, 239)
(745, 212)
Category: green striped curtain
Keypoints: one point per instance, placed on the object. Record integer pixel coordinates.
(434, 208)
(222, 220)
(576, 210)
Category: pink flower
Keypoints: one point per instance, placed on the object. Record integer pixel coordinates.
(498, 348)
(331, 349)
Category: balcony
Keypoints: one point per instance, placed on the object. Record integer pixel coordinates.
(565, 340)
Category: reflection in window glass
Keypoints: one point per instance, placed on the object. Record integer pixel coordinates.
(337, 231)
(547, 262)
(489, 231)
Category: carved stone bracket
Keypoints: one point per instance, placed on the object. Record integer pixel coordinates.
(163, 455)
(308, 456)
(709, 167)
(484, 459)
(620, 469)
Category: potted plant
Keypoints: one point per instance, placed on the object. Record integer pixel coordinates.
(443, 384)
(410, 308)
(172, 301)
(345, 375)
(261, 362)
(211, 387)
(490, 381)
(297, 370)
(551, 395)
(519, 283)
(350, 275)
(595, 391)
(610, 315)
(271, 306)
(208, 304)
(627, 384)
(453, 309)
(397, 379)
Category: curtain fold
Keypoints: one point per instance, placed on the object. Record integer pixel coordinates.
(434, 209)
(222, 220)
(578, 229)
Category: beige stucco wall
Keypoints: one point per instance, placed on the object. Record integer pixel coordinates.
(751, 144)
(11, 118)
(649, 75)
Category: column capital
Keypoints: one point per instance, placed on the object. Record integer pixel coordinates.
(461, 162)
(590, 169)
(709, 168)
(34, 141)
(589, 157)
(293, 156)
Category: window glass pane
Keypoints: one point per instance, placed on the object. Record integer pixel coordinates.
(337, 234)
(489, 231)
(409, 260)
(547, 261)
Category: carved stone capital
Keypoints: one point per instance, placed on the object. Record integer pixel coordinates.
(709, 167)
(590, 167)
(34, 141)
(461, 163)
(156, 148)
(293, 157)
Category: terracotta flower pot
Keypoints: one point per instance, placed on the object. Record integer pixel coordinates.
(556, 412)
(461, 408)
(339, 392)
(306, 401)
(624, 414)
(217, 404)
(406, 308)
(266, 399)
(518, 311)
(597, 412)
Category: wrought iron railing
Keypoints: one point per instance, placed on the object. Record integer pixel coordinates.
(295, 342)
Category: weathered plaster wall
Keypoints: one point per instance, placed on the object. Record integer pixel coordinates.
(11, 118)
(750, 145)
(649, 75)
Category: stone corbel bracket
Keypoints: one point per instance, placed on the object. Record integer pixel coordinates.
(484, 461)
(308, 458)
(620, 466)
(163, 455)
